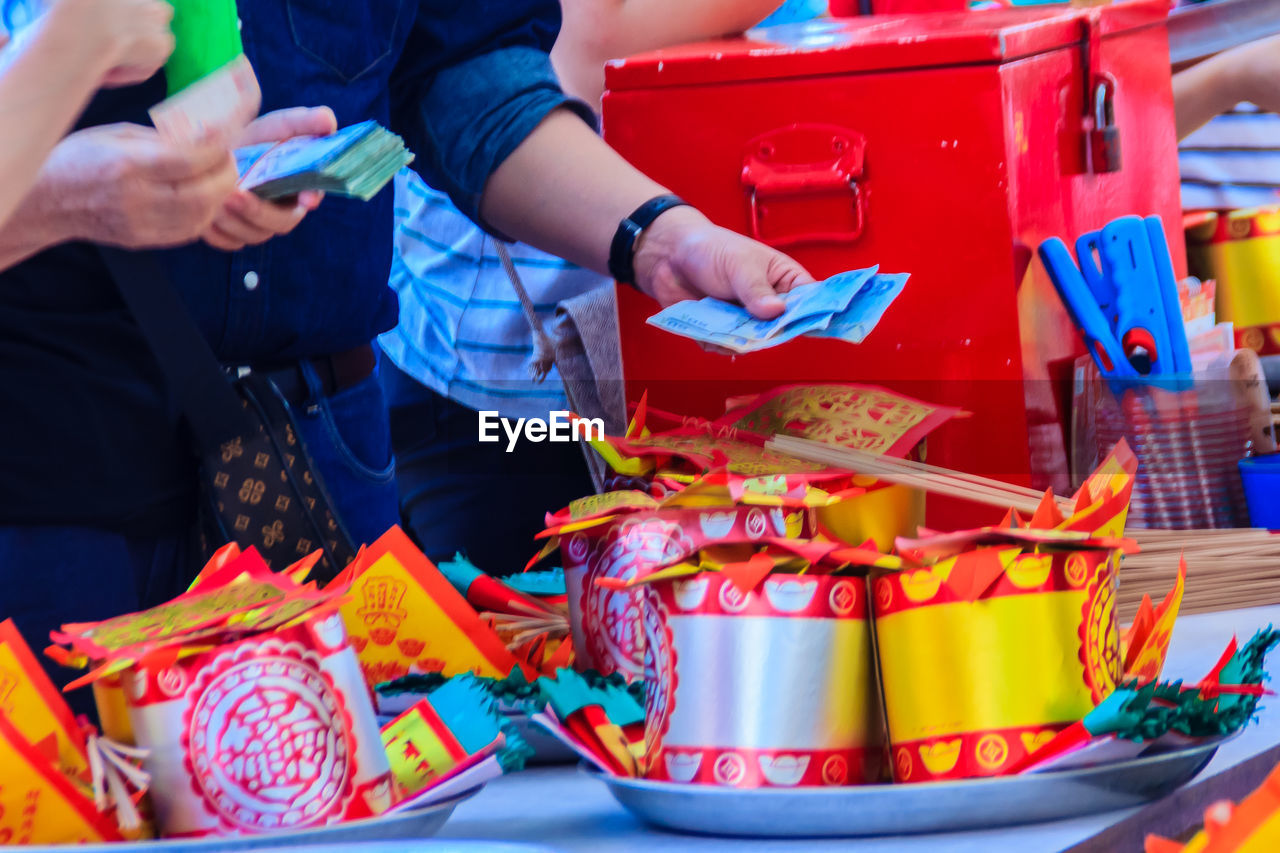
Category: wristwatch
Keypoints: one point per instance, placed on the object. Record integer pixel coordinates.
(622, 251)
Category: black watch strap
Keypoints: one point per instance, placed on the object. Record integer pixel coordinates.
(622, 251)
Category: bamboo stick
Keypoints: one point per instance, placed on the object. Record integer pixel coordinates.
(1248, 544)
(928, 477)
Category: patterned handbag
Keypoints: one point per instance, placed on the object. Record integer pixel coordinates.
(259, 487)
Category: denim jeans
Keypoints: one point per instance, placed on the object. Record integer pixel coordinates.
(457, 494)
(349, 440)
(50, 576)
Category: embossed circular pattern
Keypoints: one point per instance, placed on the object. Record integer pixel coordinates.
(1101, 634)
(267, 743)
(611, 619)
(659, 672)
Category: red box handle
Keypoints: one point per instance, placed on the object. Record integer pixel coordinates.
(799, 161)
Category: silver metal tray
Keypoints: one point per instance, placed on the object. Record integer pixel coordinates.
(867, 810)
(414, 823)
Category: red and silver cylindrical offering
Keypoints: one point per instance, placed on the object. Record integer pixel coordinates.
(774, 687)
(274, 732)
(606, 623)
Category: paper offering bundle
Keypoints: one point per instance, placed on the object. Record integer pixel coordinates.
(758, 666)
(710, 483)
(405, 617)
(53, 771)
(268, 733)
(1002, 637)
(247, 701)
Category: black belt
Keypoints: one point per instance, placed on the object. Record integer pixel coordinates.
(336, 372)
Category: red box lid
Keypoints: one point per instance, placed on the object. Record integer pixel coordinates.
(879, 42)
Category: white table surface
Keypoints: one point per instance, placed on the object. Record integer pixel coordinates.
(564, 809)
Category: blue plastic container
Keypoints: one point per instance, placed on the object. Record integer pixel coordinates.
(1261, 477)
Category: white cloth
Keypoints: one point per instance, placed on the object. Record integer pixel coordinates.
(1232, 162)
(462, 331)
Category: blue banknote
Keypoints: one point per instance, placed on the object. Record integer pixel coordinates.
(846, 306)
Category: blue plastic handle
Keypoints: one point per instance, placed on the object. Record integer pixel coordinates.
(1083, 307)
(1104, 292)
(1128, 263)
(1168, 285)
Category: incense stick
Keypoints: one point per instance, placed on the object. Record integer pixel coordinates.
(1245, 547)
(920, 475)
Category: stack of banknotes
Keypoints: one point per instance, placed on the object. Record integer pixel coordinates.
(357, 161)
(846, 306)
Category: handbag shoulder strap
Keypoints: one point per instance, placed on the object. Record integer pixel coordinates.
(546, 353)
(544, 349)
(205, 396)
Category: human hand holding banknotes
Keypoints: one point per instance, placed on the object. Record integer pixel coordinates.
(246, 219)
(846, 307)
(683, 256)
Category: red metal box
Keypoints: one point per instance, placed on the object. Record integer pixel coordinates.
(945, 145)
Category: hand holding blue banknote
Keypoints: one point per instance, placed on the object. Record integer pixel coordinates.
(684, 256)
(846, 307)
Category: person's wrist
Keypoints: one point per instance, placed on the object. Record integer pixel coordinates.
(67, 29)
(62, 207)
(661, 240)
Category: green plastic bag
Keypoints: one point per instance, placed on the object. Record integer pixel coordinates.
(207, 35)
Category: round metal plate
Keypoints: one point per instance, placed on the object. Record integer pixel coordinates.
(414, 823)
(867, 810)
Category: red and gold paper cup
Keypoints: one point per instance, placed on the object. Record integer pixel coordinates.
(606, 622)
(1240, 249)
(984, 657)
(882, 514)
(274, 732)
(769, 688)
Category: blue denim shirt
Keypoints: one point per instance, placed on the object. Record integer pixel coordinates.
(464, 81)
(90, 434)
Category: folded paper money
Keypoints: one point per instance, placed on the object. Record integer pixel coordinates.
(517, 700)
(357, 161)
(599, 720)
(846, 307)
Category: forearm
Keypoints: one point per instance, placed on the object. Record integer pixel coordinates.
(564, 191)
(1202, 92)
(59, 206)
(595, 31)
(45, 81)
(36, 224)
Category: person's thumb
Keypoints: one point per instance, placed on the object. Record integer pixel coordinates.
(754, 288)
(286, 124)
